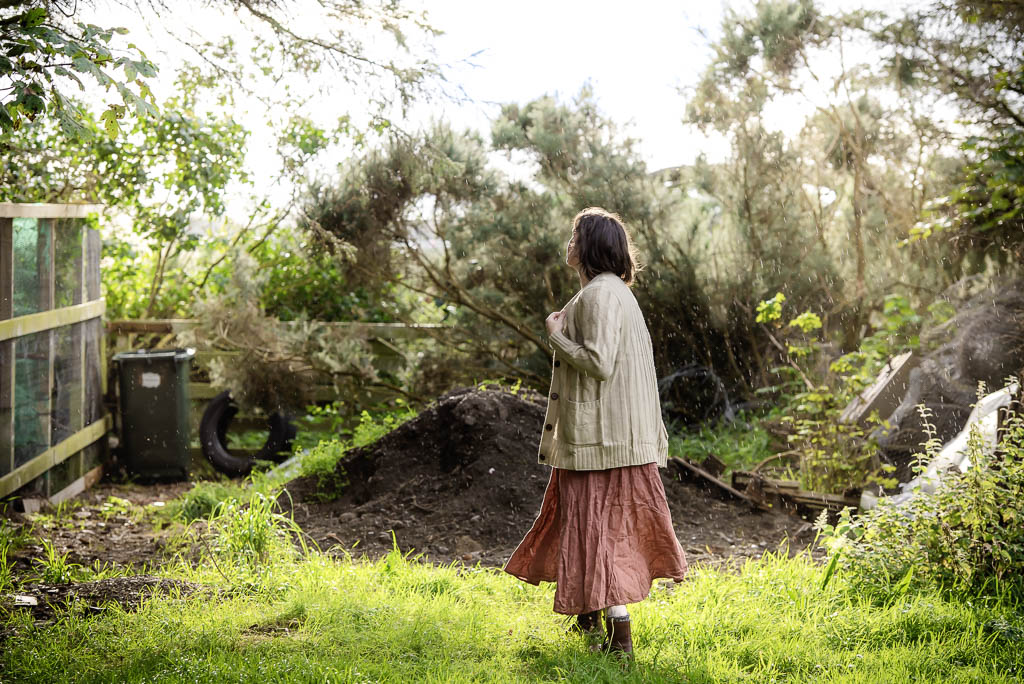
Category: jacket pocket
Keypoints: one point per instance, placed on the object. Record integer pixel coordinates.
(581, 422)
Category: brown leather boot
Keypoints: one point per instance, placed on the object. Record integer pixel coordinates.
(620, 639)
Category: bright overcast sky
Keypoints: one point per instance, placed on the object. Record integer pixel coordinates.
(636, 56)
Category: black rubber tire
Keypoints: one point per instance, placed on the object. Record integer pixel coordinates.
(279, 442)
(213, 434)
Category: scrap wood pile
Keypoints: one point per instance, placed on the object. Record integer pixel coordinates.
(980, 346)
(762, 491)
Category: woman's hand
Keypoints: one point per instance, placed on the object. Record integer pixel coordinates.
(554, 321)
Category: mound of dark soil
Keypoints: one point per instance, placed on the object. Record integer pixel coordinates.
(461, 482)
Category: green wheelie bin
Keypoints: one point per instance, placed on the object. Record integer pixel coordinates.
(154, 409)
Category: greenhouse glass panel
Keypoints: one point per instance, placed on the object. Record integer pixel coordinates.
(31, 238)
(67, 289)
(31, 396)
(67, 382)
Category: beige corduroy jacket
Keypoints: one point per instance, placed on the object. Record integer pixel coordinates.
(603, 409)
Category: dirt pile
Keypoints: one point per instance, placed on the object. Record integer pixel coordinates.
(461, 482)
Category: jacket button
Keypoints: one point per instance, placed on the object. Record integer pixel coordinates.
(549, 427)
(557, 363)
(554, 395)
(542, 457)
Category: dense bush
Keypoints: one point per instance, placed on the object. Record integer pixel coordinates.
(968, 535)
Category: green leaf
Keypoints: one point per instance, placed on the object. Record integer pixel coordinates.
(6, 122)
(770, 309)
(34, 17)
(110, 123)
(61, 71)
(84, 65)
(830, 570)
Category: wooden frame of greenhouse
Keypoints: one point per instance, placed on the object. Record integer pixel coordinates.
(52, 379)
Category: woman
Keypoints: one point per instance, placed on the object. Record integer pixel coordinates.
(604, 531)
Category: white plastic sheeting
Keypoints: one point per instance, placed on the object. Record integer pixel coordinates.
(954, 454)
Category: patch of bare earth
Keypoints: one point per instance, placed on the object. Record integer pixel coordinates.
(98, 532)
(461, 482)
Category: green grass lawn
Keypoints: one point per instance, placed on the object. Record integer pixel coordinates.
(317, 618)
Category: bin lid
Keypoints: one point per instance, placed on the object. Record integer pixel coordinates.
(155, 354)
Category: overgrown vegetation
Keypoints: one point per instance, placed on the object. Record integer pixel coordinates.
(786, 274)
(966, 538)
(926, 592)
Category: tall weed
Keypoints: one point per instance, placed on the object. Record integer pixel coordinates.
(966, 536)
(252, 540)
(6, 568)
(835, 456)
(200, 501)
(54, 567)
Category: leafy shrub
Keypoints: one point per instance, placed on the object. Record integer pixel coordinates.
(967, 536)
(322, 460)
(372, 428)
(834, 456)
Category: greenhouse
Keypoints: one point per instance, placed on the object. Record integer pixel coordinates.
(51, 385)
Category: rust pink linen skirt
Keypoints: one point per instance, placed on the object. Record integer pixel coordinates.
(602, 536)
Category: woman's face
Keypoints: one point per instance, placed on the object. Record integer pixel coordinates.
(572, 256)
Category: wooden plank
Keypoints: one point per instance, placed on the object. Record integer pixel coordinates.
(163, 326)
(820, 499)
(389, 331)
(41, 210)
(741, 478)
(392, 331)
(788, 492)
(204, 391)
(80, 330)
(723, 489)
(7, 381)
(885, 393)
(47, 294)
(78, 486)
(102, 344)
(93, 251)
(48, 320)
(52, 456)
(6, 347)
(6, 268)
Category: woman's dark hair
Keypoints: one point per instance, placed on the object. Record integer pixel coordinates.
(603, 244)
